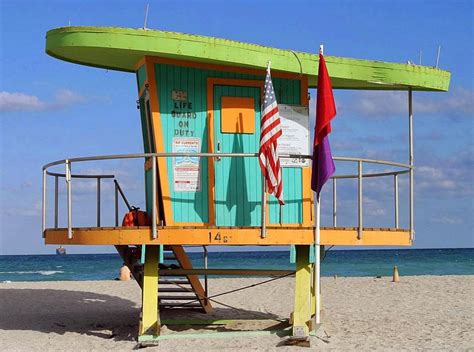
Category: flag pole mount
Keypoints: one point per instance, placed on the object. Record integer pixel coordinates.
(321, 49)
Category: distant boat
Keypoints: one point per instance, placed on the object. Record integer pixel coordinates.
(61, 250)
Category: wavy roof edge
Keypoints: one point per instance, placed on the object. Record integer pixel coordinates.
(117, 48)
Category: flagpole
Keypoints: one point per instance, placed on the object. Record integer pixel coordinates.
(317, 261)
(264, 190)
(317, 251)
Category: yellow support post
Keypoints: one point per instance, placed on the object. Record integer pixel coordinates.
(150, 324)
(313, 291)
(302, 311)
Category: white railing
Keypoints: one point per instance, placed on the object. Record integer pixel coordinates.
(404, 169)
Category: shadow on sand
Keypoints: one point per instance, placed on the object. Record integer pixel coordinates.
(61, 311)
(88, 313)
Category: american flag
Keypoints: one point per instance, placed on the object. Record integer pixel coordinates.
(270, 130)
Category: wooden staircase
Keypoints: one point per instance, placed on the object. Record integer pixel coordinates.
(173, 291)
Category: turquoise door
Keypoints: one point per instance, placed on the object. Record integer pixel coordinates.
(238, 190)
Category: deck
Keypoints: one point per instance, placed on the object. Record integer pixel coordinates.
(227, 236)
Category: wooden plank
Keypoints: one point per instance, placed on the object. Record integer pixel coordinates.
(302, 311)
(217, 334)
(186, 264)
(243, 272)
(227, 237)
(150, 324)
(186, 321)
(162, 173)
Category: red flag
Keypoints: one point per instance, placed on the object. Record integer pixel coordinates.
(323, 164)
(270, 131)
(325, 105)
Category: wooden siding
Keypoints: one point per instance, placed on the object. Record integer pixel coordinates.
(141, 76)
(192, 207)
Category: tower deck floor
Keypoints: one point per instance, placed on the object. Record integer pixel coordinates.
(227, 236)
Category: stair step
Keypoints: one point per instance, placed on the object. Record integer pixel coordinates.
(170, 258)
(178, 305)
(173, 289)
(178, 298)
(173, 282)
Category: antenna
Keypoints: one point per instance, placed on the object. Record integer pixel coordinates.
(437, 59)
(421, 56)
(321, 49)
(146, 16)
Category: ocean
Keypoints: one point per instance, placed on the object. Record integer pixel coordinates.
(336, 262)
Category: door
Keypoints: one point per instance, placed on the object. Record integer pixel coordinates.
(238, 181)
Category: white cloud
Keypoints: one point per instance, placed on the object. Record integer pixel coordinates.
(380, 103)
(66, 97)
(15, 101)
(451, 177)
(33, 210)
(447, 220)
(20, 102)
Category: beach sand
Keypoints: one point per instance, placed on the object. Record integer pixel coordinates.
(418, 313)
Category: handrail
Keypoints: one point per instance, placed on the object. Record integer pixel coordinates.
(406, 169)
(57, 175)
(165, 155)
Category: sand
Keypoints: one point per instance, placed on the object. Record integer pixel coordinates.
(418, 313)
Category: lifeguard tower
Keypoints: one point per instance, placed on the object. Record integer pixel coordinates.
(199, 100)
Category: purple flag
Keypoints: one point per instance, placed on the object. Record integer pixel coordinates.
(323, 165)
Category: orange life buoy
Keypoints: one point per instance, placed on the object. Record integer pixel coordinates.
(136, 217)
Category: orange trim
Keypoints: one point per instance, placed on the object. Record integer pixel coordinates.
(306, 171)
(211, 82)
(159, 147)
(225, 236)
(206, 66)
(140, 63)
(142, 89)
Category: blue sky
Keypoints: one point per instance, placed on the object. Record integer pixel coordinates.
(52, 109)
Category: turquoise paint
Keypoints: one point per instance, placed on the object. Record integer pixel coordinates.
(193, 206)
(146, 146)
(142, 256)
(141, 76)
(311, 254)
(238, 181)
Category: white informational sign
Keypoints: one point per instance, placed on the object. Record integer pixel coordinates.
(186, 169)
(295, 138)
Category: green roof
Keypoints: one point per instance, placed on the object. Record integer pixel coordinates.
(121, 48)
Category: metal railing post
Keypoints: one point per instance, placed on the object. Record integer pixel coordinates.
(98, 201)
(116, 206)
(205, 276)
(153, 197)
(410, 134)
(43, 218)
(56, 202)
(264, 209)
(395, 191)
(334, 202)
(408, 169)
(69, 199)
(359, 177)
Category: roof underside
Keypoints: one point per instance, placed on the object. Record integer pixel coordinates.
(121, 48)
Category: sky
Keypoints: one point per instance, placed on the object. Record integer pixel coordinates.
(52, 110)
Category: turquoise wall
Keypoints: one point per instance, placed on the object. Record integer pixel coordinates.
(141, 76)
(193, 206)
